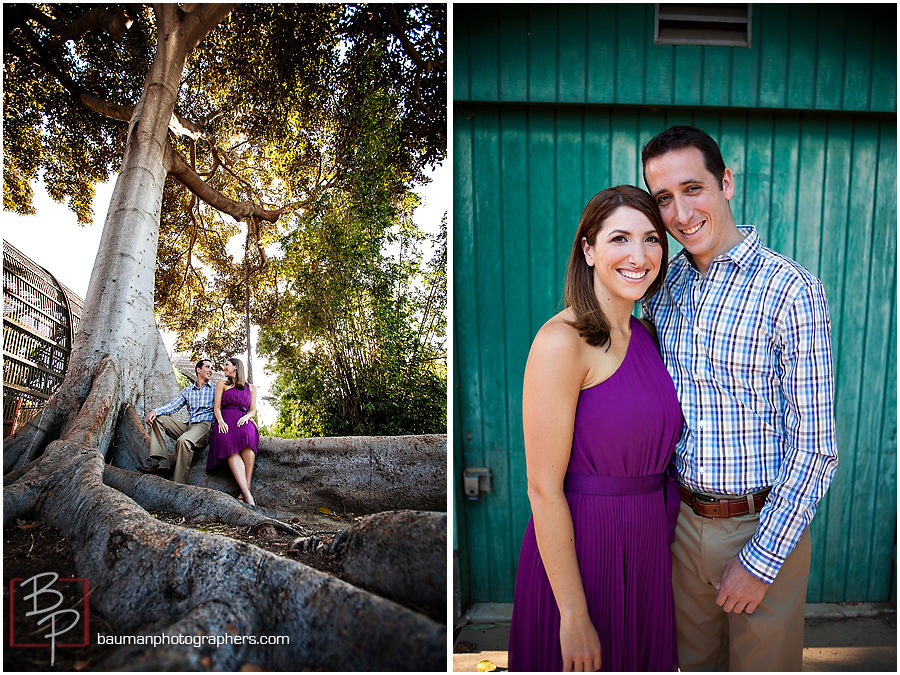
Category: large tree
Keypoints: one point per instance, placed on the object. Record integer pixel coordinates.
(249, 111)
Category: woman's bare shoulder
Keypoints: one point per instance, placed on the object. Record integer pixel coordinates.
(558, 339)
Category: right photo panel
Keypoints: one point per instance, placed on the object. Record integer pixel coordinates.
(674, 337)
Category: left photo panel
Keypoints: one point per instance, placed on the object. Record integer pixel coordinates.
(225, 337)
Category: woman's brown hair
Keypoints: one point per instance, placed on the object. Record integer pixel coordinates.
(240, 379)
(589, 321)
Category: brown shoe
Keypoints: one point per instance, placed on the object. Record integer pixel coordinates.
(154, 465)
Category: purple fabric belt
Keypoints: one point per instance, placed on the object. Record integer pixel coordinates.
(591, 484)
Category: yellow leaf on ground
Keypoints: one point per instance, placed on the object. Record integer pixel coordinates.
(485, 666)
(323, 509)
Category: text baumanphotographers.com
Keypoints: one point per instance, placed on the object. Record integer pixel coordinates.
(194, 640)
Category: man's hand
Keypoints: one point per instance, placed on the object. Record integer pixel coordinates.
(150, 417)
(739, 591)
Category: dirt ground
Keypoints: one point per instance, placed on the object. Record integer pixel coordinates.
(32, 548)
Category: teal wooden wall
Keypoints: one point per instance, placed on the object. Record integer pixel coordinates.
(805, 57)
(819, 185)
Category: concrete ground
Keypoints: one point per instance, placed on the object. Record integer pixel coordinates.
(858, 637)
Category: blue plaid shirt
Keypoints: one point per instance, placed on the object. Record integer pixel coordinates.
(749, 350)
(199, 402)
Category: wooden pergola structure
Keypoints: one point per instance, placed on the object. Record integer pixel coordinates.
(40, 318)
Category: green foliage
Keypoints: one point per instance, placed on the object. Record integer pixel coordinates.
(182, 379)
(357, 340)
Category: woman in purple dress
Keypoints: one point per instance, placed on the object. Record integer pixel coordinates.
(593, 587)
(235, 437)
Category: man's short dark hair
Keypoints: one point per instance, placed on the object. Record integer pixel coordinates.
(676, 138)
(200, 364)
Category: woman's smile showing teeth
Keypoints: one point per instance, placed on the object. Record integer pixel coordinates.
(633, 274)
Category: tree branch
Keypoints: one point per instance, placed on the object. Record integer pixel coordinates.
(184, 174)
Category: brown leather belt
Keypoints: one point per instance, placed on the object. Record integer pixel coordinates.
(713, 507)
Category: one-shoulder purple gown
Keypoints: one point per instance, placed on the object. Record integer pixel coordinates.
(235, 404)
(623, 510)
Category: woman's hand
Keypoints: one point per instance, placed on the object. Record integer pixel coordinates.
(223, 427)
(580, 644)
(241, 422)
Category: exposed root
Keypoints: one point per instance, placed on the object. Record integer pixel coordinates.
(131, 441)
(182, 571)
(29, 442)
(98, 416)
(20, 501)
(197, 503)
(16, 474)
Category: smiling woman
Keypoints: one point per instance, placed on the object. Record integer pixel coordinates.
(600, 421)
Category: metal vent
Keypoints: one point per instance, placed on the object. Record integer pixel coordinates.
(705, 25)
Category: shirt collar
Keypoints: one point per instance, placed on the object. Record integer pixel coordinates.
(208, 384)
(741, 255)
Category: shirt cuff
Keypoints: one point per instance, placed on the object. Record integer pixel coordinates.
(759, 562)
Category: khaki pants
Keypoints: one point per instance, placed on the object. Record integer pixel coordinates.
(770, 639)
(186, 436)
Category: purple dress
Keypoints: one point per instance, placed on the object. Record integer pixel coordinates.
(235, 404)
(623, 506)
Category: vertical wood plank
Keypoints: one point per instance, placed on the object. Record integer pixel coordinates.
(601, 54)
(631, 35)
(462, 53)
(489, 266)
(517, 325)
(733, 145)
(883, 322)
(513, 57)
(688, 75)
(801, 76)
(884, 69)
(834, 248)
(758, 189)
(572, 74)
(543, 53)
(542, 218)
(466, 345)
(830, 57)
(785, 177)
(858, 58)
(597, 152)
(773, 55)
(744, 76)
(483, 53)
(716, 87)
(861, 385)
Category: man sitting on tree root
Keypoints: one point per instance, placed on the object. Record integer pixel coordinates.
(199, 399)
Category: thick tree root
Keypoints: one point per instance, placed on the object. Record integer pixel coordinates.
(29, 441)
(184, 571)
(400, 555)
(197, 503)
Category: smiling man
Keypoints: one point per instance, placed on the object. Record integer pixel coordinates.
(198, 398)
(745, 333)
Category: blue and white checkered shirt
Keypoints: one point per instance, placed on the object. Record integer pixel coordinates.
(199, 402)
(749, 349)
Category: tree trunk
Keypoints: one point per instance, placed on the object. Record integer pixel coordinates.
(146, 576)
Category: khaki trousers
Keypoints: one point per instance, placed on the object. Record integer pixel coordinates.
(770, 639)
(186, 436)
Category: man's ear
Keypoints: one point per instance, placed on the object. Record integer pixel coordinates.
(728, 184)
